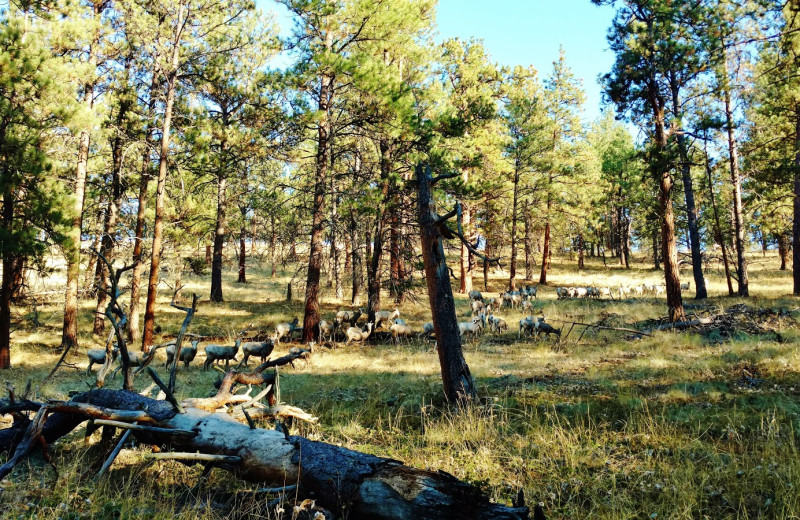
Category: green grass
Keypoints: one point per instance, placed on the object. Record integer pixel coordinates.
(672, 426)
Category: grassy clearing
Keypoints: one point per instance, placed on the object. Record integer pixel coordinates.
(673, 426)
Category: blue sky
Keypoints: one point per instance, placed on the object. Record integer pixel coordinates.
(526, 32)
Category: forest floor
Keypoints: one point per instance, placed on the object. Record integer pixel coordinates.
(676, 425)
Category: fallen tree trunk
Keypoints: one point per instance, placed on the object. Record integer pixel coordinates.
(339, 479)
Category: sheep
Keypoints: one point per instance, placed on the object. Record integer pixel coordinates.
(527, 324)
(580, 292)
(399, 330)
(187, 354)
(475, 295)
(382, 316)
(604, 292)
(497, 325)
(427, 329)
(527, 305)
(326, 329)
(348, 316)
(532, 291)
(516, 300)
(477, 305)
(686, 286)
(284, 330)
(659, 290)
(135, 359)
(561, 293)
(356, 334)
(216, 353)
(474, 327)
(259, 349)
(546, 328)
(98, 355)
(638, 290)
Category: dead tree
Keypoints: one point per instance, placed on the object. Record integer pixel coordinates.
(458, 384)
(341, 480)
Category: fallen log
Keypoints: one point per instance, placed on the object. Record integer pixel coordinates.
(339, 479)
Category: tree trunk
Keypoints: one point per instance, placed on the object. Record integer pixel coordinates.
(736, 186)
(219, 239)
(373, 270)
(661, 172)
(158, 227)
(355, 256)
(656, 250)
(718, 238)
(580, 252)
(112, 214)
(691, 209)
(783, 249)
(243, 249)
(529, 263)
(349, 483)
(467, 262)
(337, 273)
(459, 386)
(796, 207)
(138, 245)
(512, 282)
(315, 253)
(546, 249)
(69, 335)
(5, 285)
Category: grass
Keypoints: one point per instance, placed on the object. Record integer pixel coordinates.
(671, 426)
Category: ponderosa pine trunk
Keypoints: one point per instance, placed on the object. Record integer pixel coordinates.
(546, 247)
(738, 214)
(512, 274)
(5, 286)
(355, 256)
(373, 269)
(783, 250)
(459, 386)
(691, 208)
(796, 207)
(141, 209)
(69, 334)
(467, 262)
(580, 252)
(315, 252)
(112, 215)
(718, 237)
(661, 172)
(243, 247)
(219, 238)
(158, 225)
(529, 263)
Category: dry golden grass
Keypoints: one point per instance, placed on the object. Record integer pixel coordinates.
(671, 426)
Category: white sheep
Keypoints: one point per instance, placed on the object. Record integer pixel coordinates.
(477, 305)
(400, 330)
(497, 325)
(527, 305)
(98, 356)
(326, 329)
(428, 329)
(216, 353)
(356, 334)
(474, 327)
(382, 316)
(259, 349)
(187, 354)
(284, 330)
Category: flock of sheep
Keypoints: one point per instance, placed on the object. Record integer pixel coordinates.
(345, 325)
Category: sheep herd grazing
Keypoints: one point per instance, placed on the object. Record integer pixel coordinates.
(351, 327)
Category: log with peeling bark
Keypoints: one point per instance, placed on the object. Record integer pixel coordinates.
(339, 479)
